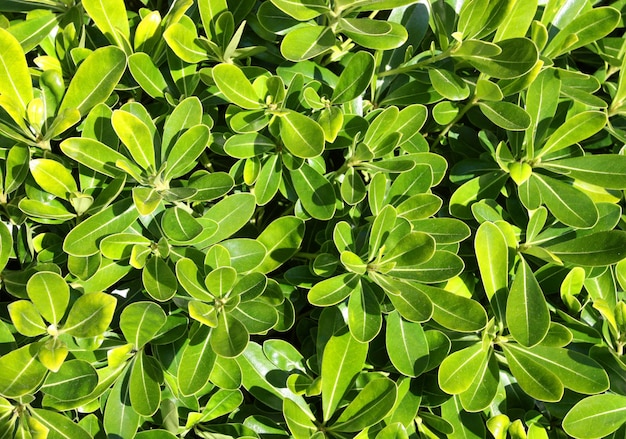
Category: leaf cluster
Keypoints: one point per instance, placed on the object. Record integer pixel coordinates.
(312, 219)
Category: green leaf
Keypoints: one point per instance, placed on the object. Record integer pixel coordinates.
(302, 10)
(506, 115)
(245, 254)
(315, 192)
(527, 314)
(20, 372)
(235, 86)
(59, 426)
(180, 225)
(381, 228)
(119, 245)
(158, 279)
(364, 315)
(576, 371)
(230, 337)
(187, 114)
(492, 254)
(119, 417)
(369, 406)
(605, 170)
(94, 155)
(503, 60)
(221, 403)
(484, 186)
(50, 295)
(136, 136)
(183, 155)
(354, 79)
(210, 186)
(483, 389)
(210, 10)
(307, 42)
(110, 18)
(299, 423)
(334, 290)
(231, 214)
(582, 30)
(196, 362)
(140, 322)
(455, 312)
(90, 315)
(410, 301)
(145, 384)
(282, 239)
(353, 189)
(457, 371)
(75, 379)
(189, 277)
(534, 379)
(567, 204)
(413, 249)
(95, 79)
(17, 165)
(26, 318)
(147, 75)
(182, 39)
(243, 146)
(15, 81)
(575, 129)
(516, 23)
(374, 34)
(220, 281)
(257, 373)
(53, 177)
(302, 136)
(342, 360)
(596, 416)
(406, 344)
(448, 84)
(83, 239)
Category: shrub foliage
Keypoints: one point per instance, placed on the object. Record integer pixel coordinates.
(312, 219)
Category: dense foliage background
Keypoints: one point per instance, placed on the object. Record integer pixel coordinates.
(312, 219)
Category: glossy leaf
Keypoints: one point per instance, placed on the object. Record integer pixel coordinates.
(316, 193)
(20, 372)
(354, 79)
(90, 315)
(14, 75)
(369, 407)
(527, 314)
(50, 295)
(575, 129)
(302, 136)
(596, 416)
(235, 86)
(145, 384)
(83, 239)
(406, 344)
(282, 239)
(457, 371)
(88, 87)
(196, 362)
(343, 359)
(307, 42)
(141, 321)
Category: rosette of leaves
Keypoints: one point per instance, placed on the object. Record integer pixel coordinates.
(330, 29)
